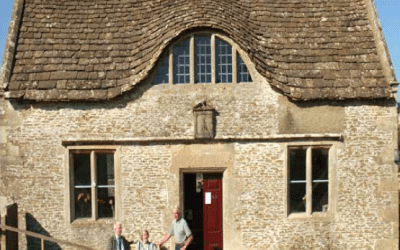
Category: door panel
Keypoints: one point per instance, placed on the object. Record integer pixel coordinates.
(194, 215)
(212, 200)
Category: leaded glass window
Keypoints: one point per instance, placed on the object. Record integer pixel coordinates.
(182, 62)
(202, 58)
(224, 61)
(242, 71)
(162, 75)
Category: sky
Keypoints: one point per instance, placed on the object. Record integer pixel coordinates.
(388, 11)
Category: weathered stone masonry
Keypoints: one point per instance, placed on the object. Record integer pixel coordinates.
(79, 73)
(363, 198)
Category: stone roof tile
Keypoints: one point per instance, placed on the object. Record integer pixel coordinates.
(96, 50)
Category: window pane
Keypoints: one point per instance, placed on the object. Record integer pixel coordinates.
(82, 190)
(105, 169)
(242, 71)
(81, 169)
(202, 59)
(320, 197)
(182, 62)
(297, 162)
(106, 202)
(83, 204)
(162, 75)
(105, 179)
(296, 194)
(320, 163)
(223, 61)
(320, 175)
(297, 186)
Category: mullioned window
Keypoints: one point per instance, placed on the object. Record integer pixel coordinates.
(202, 58)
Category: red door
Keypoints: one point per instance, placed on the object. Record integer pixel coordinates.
(212, 211)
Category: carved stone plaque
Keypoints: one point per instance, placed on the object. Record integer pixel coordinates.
(204, 124)
(203, 121)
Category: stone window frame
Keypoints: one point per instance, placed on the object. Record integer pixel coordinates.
(69, 190)
(236, 50)
(332, 186)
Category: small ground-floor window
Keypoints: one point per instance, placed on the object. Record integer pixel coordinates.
(308, 179)
(92, 183)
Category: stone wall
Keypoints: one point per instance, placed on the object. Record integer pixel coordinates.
(366, 196)
(145, 169)
(34, 157)
(155, 125)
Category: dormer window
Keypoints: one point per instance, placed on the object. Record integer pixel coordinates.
(181, 61)
(223, 61)
(202, 58)
(162, 75)
(202, 53)
(243, 74)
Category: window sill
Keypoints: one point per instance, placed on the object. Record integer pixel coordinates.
(317, 216)
(83, 222)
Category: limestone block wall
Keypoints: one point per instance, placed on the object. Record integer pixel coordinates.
(34, 159)
(261, 214)
(367, 196)
(145, 196)
(147, 124)
(364, 215)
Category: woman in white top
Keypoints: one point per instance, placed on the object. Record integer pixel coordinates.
(144, 244)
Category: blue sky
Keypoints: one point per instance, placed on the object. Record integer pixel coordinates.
(388, 10)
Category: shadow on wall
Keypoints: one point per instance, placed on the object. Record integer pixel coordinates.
(12, 221)
(33, 225)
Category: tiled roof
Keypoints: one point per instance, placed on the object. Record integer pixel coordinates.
(97, 49)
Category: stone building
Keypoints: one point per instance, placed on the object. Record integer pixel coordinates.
(272, 123)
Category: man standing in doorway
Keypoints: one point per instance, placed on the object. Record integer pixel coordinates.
(117, 241)
(180, 229)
